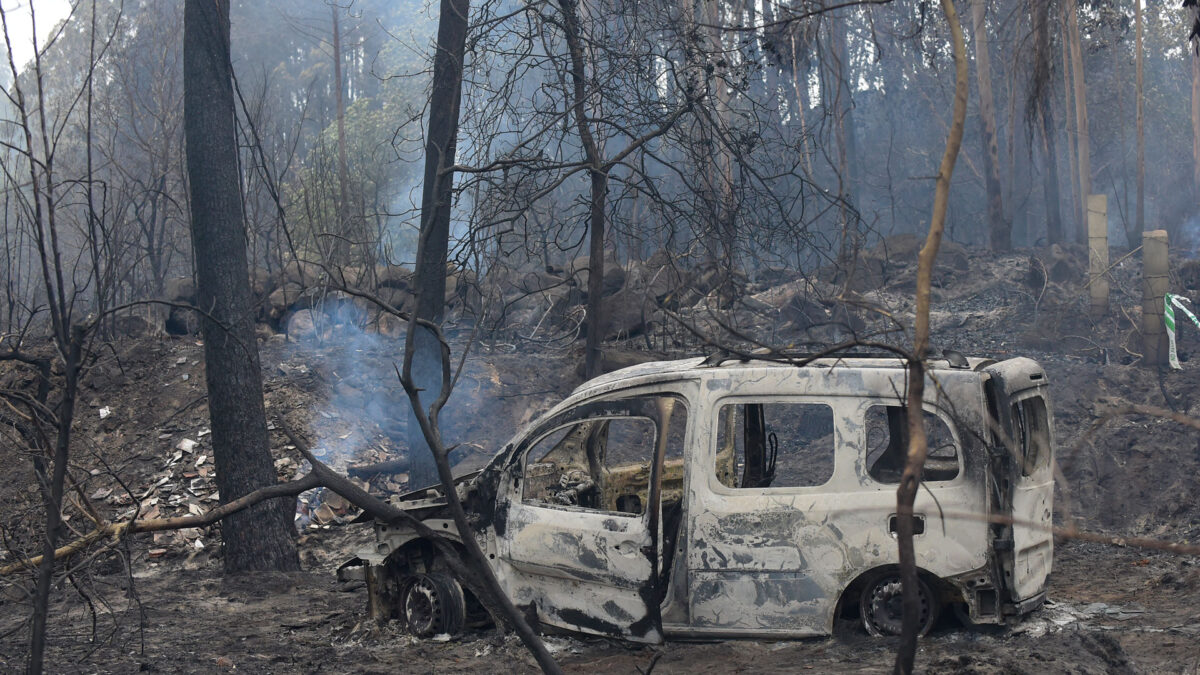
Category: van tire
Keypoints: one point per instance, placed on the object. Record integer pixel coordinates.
(882, 610)
(432, 604)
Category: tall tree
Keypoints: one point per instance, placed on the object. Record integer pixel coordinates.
(347, 236)
(999, 228)
(59, 285)
(844, 128)
(1071, 8)
(800, 91)
(1041, 112)
(1141, 129)
(262, 537)
(598, 174)
(441, 140)
(1072, 135)
(1195, 59)
(910, 480)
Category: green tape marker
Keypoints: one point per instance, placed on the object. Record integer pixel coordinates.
(1170, 302)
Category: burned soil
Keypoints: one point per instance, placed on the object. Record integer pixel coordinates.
(158, 603)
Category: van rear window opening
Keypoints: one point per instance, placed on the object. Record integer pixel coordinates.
(792, 444)
(1033, 434)
(887, 445)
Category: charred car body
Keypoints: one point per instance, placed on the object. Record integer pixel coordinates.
(697, 499)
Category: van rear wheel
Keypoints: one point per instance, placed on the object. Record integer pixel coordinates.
(881, 605)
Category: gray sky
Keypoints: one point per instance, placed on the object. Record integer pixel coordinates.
(48, 13)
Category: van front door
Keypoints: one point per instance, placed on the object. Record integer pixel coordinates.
(583, 532)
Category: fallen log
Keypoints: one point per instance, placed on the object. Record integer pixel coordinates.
(367, 470)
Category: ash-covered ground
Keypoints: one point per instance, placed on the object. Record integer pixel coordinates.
(158, 603)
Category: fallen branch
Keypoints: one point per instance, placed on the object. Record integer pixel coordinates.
(366, 470)
(118, 530)
(61, 552)
(320, 476)
(1124, 409)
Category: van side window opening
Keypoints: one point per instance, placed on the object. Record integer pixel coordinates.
(775, 445)
(887, 445)
(604, 464)
(1032, 434)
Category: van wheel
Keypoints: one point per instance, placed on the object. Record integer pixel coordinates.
(432, 604)
(881, 605)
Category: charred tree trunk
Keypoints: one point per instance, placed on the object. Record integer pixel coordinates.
(436, 200)
(72, 361)
(263, 537)
(599, 191)
(595, 287)
(846, 139)
(725, 214)
(1050, 192)
(999, 228)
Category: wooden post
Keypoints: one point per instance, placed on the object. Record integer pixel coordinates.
(1097, 223)
(1154, 287)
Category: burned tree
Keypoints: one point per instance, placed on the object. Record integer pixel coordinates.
(262, 537)
(999, 227)
(906, 493)
(436, 206)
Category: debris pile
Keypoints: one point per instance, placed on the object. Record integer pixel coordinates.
(183, 485)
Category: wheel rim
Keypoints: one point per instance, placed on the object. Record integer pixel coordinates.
(883, 606)
(422, 607)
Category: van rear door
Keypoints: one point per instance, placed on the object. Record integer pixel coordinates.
(1023, 461)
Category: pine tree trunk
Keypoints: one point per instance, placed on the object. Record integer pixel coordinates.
(262, 537)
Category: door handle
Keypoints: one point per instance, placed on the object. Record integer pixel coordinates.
(628, 548)
(918, 524)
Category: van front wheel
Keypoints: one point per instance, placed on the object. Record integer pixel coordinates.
(881, 605)
(431, 604)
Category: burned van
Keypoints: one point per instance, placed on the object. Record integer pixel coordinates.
(725, 498)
